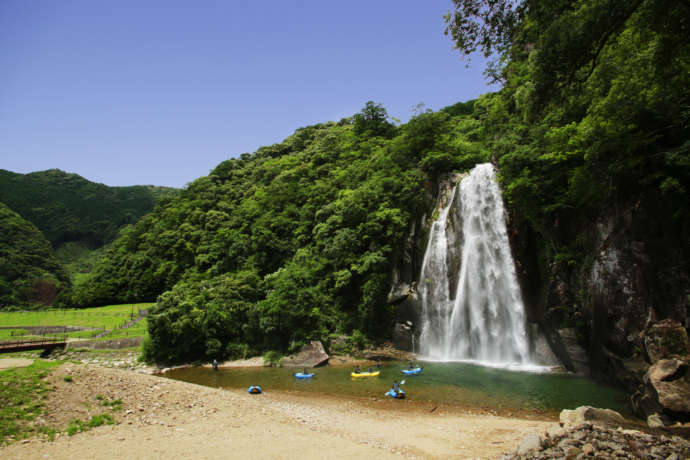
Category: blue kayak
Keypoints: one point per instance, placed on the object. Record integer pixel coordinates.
(302, 375)
(416, 370)
(254, 390)
(397, 395)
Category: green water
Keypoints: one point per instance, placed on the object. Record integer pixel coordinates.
(451, 383)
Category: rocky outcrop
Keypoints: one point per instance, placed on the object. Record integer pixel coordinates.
(669, 378)
(403, 292)
(591, 441)
(665, 392)
(310, 355)
(614, 290)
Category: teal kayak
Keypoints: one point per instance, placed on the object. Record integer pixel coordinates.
(416, 370)
(302, 375)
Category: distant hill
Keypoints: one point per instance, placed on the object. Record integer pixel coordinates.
(70, 209)
(30, 273)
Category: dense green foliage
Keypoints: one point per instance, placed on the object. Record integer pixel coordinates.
(76, 216)
(596, 103)
(68, 208)
(29, 271)
(292, 243)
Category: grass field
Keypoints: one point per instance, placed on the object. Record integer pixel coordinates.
(111, 318)
(22, 392)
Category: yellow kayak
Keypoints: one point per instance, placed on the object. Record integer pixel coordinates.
(365, 374)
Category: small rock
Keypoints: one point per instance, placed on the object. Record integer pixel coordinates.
(654, 421)
(572, 453)
(588, 449)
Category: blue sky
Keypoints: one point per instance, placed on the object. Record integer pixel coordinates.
(159, 92)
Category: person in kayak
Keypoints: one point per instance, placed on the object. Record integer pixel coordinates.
(215, 365)
(411, 366)
(396, 387)
(357, 371)
(304, 371)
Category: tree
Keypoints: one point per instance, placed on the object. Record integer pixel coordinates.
(373, 121)
(565, 38)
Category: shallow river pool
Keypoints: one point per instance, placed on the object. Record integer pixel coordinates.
(462, 384)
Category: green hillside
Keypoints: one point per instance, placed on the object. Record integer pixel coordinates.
(68, 208)
(291, 243)
(29, 271)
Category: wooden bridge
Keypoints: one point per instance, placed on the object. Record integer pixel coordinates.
(46, 344)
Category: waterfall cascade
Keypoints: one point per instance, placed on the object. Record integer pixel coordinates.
(473, 311)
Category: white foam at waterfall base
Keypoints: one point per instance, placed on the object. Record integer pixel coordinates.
(483, 319)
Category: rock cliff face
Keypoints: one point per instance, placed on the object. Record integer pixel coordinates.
(403, 293)
(622, 294)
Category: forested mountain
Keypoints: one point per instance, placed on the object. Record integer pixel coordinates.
(68, 208)
(291, 243)
(29, 271)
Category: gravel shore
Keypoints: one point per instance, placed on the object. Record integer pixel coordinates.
(161, 417)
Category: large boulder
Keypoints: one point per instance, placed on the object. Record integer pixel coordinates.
(665, 391)
(669, 380)
(310, 355)
(593, 415)
(666, 339)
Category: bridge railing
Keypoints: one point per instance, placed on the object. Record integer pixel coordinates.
(41, 341)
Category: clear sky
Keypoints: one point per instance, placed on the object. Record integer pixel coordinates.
(159, 92)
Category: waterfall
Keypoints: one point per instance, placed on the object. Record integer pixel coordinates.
(473, 311)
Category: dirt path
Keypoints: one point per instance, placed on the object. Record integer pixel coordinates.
(161, 417)
(7, 363)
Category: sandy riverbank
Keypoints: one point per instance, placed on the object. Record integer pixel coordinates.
(162, 417)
